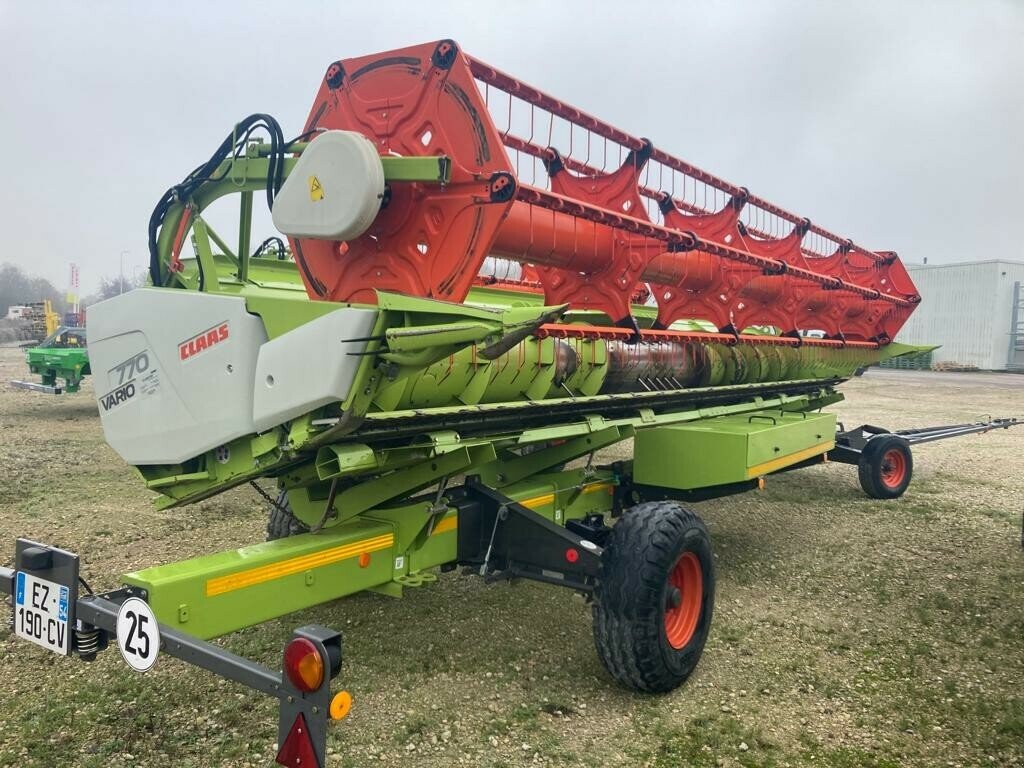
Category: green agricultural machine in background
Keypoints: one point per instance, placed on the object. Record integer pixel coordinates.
(62, 357)
(415, 415)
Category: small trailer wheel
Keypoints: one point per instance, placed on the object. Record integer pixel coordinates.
(654, 596)
(281, 523)
(885, 467)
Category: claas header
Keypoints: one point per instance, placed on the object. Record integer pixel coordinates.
(415, 407)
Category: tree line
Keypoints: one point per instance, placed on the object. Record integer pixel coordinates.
(18, 287)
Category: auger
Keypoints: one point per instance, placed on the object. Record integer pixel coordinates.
(417, 409)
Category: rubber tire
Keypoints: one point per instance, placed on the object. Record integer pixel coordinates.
(281, 523)
(629, 599)
(869, 468)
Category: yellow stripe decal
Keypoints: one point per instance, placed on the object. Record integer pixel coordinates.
(447, 524)
(253, 576)
(548, 498)
(785, 461)
(538, 501)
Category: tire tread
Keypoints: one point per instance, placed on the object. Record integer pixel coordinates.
(627, 620)
(869, 467)
(281, 523)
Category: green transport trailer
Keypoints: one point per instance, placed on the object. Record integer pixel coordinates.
(61, 361)
(415, 417)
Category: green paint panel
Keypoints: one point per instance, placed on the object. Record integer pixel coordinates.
(566, 495)
(729, 449)
(215, 594)
(437, 548)
(426, 169)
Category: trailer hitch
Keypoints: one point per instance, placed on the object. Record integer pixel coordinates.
(43, 588)
(851, 443)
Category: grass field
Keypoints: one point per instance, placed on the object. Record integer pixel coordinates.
(848, 632)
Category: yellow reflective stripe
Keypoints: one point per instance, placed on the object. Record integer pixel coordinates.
(785, 461)
(448, 524)
(548, 498)
(538, 501)
(253, 576)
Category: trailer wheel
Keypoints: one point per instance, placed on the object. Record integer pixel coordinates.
(281, 523)
(885, 467)
(654, 597)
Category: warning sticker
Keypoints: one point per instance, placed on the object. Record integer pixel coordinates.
(316, 191)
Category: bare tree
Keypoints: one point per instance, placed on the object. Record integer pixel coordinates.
(17, 287)
(112, 286)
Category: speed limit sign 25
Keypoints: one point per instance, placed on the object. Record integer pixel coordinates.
(138, 634)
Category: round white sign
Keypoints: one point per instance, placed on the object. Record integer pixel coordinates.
(138, 634)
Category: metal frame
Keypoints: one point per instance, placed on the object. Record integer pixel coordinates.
(604, 216)
(851, 443)
(36, 387)
(505, 540)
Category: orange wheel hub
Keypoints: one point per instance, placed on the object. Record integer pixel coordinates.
(681, 615)
(894, 468)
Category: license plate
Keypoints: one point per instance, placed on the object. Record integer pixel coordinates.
(41, 612)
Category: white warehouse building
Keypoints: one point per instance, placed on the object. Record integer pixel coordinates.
(975, 310)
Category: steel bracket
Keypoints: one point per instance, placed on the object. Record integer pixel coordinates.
(508, 540)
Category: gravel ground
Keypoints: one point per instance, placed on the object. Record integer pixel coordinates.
(847, 632)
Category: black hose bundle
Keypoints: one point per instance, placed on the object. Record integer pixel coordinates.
(232, 146)
(278, 245)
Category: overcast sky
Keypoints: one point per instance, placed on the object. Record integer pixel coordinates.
(899, 124)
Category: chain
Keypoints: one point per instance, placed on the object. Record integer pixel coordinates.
(270, 499)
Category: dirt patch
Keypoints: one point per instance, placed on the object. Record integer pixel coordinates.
(848, 632)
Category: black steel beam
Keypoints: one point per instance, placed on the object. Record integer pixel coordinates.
(657, 493)
(915, 436)
(502, 539)
(100, 611)
(850, 443)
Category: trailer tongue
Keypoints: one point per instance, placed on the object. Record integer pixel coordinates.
(414, 415)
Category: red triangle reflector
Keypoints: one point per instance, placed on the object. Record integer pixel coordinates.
(297, 750)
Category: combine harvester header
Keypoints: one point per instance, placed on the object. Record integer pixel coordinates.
(413, 415)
